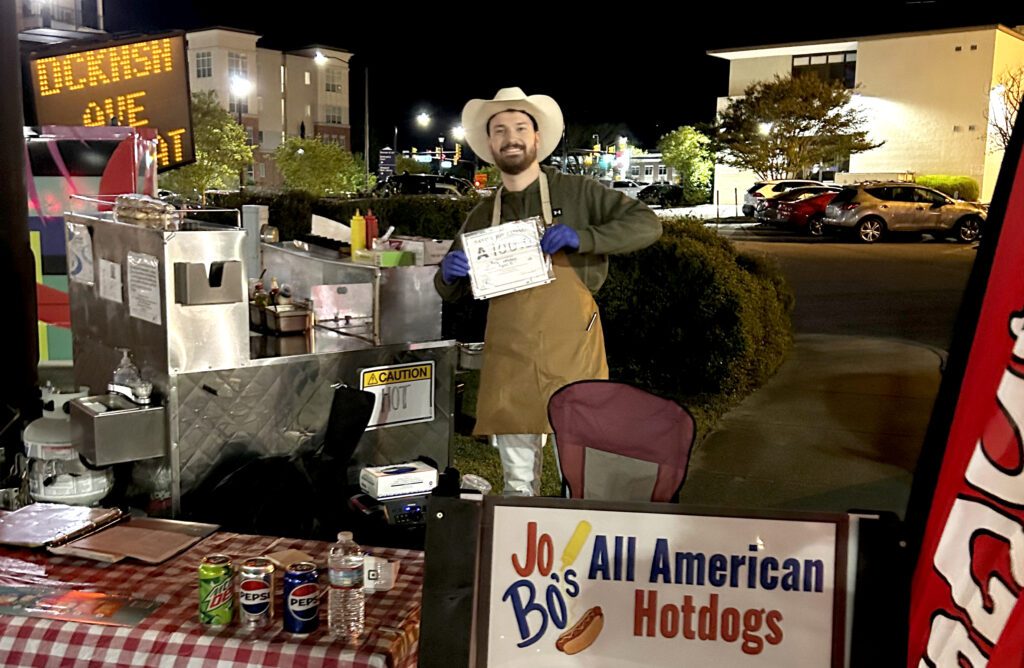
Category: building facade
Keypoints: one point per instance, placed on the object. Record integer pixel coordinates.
(55, 21)
(292, 93)
(927, 95)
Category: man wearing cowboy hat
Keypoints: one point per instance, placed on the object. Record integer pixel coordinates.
(539, 340)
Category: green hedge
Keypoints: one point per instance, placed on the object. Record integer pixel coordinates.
(291, 212)
(692, 319)
(962, 187)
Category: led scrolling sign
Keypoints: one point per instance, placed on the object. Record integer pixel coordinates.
(141, 84)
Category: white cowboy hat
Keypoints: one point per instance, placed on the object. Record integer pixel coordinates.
(544, 110)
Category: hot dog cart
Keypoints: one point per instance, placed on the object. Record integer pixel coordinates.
(178, 299)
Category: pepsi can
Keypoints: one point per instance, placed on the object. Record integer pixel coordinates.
(256, 593)
(301, 598)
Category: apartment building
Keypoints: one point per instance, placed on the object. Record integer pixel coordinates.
(927, 95)
(291, 93)
(54, 21)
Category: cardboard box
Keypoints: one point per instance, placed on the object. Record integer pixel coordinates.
(379, 574)
(426, 250)
(383, 482)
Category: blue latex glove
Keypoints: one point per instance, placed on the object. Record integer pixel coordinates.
(454, 266)
(558, 237)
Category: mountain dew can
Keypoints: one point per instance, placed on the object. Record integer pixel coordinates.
(216, 590)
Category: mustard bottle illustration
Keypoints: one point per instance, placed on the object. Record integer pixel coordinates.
(575, 544)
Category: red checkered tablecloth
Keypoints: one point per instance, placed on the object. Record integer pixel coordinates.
(172, 635)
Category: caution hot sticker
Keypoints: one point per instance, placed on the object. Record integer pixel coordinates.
(404, 393)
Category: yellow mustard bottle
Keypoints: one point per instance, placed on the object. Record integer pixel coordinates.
(358, 227)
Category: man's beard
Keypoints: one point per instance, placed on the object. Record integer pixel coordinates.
(516, 164)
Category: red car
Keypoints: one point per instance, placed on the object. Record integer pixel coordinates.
(806, 214)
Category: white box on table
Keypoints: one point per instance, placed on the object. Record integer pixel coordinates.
(385, 482)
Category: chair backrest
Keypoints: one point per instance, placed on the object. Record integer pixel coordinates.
(618, 442)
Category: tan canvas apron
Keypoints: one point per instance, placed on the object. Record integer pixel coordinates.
(536, 342)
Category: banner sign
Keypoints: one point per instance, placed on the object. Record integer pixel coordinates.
(568, 586)
(965, 601)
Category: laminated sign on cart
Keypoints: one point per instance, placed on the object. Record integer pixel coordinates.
(404, 393)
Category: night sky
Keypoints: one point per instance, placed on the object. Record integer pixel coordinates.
(642, 65)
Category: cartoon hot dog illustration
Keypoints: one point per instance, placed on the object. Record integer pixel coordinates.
(583, 633)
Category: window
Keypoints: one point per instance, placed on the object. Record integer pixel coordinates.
(662, 170)
(332, 81)
(332, 114)
(238, 65)
(236, 104)
(309, 111)
(928, 197)
(204, 65)
(648, 170)
(263, 170)
(881, 193)
(308, 78)
(841, 66)
(259, 137)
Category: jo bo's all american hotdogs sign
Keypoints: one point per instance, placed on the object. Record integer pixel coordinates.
(576, 587)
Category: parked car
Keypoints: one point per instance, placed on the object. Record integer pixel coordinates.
(873, 210)
(423, 184)
(662, 194)
(628, 187)
(807, 214)
(767, 210)
(770, 189)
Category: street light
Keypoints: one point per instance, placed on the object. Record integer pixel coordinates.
(458, 133)
(240, 89)
(423, 119)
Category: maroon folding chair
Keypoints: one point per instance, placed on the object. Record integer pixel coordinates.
(619, 443)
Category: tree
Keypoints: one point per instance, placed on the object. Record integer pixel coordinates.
(404, 164)
(1003, 106)
(319, 167)
(785, 126)
(688, 151)
(492, 173)
(222, 150)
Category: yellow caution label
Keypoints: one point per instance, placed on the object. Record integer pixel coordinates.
(403, 374)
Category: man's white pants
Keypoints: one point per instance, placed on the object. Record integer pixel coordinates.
(521, 461)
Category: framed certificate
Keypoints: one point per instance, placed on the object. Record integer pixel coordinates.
(506, 258)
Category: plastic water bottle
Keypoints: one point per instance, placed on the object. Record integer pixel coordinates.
(345, 605)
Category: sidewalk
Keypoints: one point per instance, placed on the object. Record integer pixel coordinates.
(839, 427)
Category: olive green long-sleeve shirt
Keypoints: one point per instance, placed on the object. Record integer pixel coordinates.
(607, 222)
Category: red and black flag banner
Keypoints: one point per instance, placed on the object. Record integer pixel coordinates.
(967, 504)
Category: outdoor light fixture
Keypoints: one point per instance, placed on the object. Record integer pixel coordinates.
(459, 133)
(423, 119)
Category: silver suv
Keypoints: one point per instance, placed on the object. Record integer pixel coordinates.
(872, 210)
